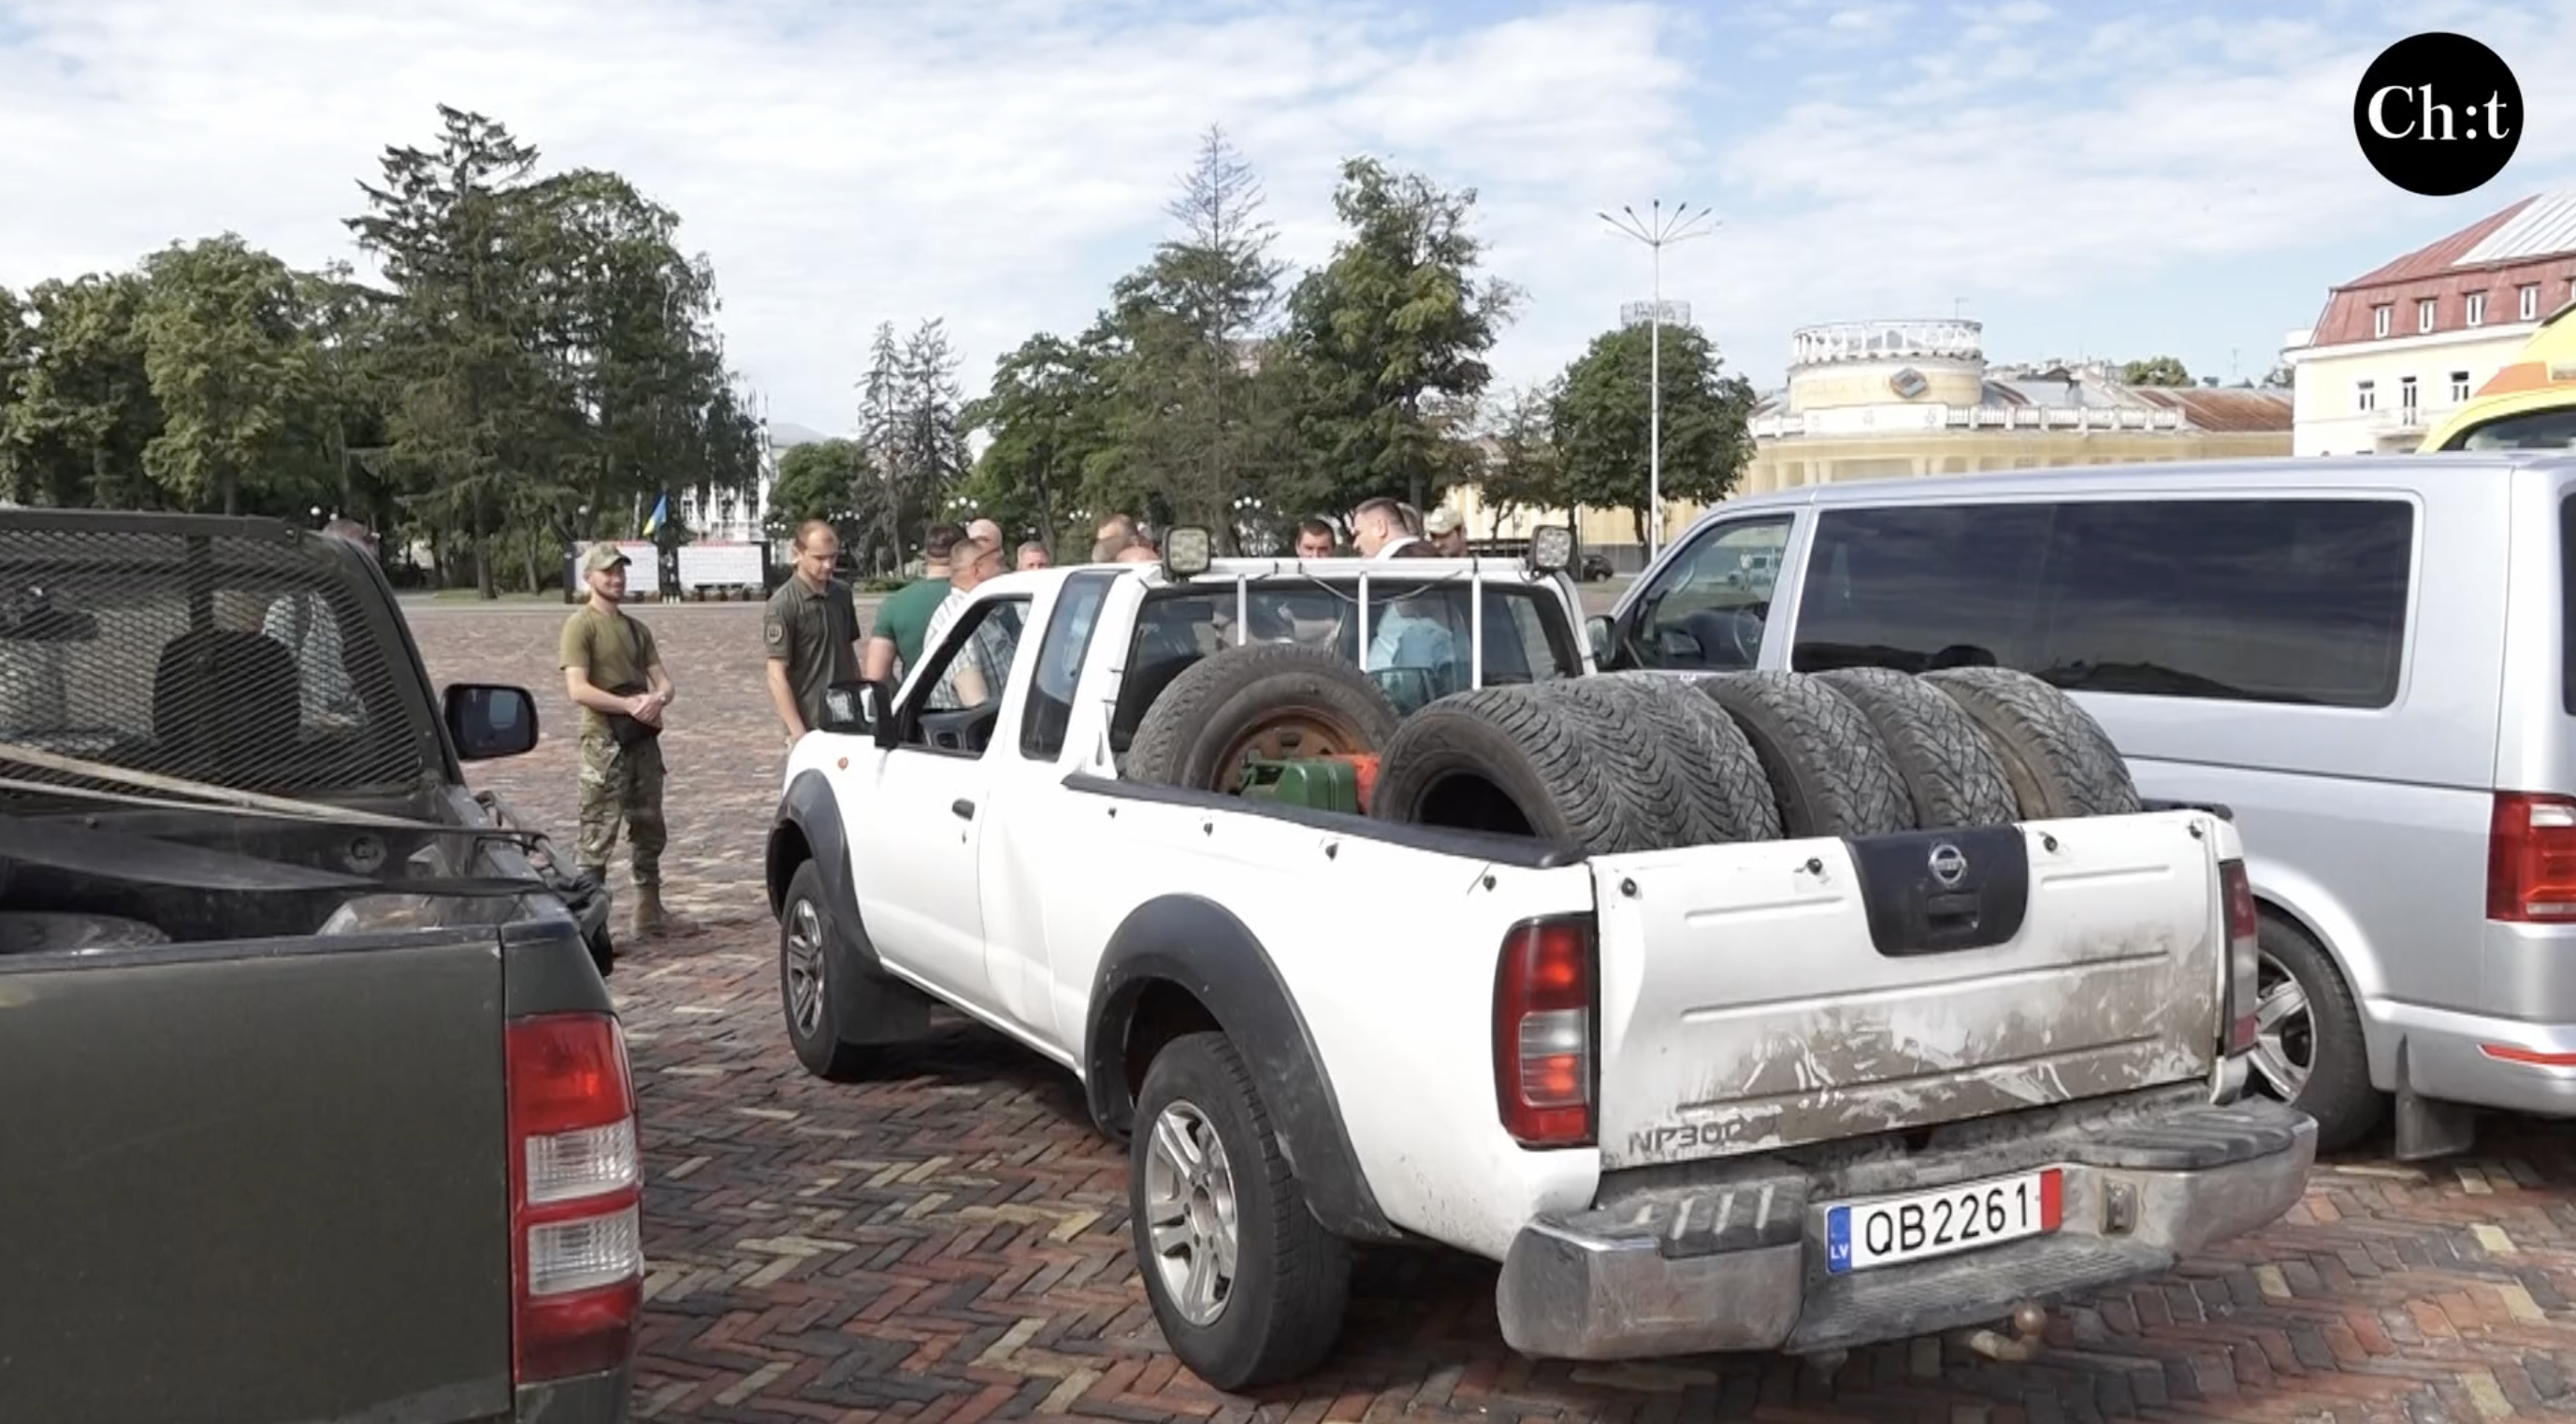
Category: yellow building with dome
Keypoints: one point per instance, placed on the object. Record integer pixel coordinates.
(1868, 400)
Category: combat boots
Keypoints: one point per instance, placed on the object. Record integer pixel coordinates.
(651, 920)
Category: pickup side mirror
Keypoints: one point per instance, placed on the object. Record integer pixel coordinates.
(488, 720)
(857, 706)
(881, 728)
(1596, 632)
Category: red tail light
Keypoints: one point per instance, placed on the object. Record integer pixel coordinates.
(2531, 859)
(576, 1197)
(1543, 1025)
(2244, 943)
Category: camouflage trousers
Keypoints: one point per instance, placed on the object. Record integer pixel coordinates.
(622, 784)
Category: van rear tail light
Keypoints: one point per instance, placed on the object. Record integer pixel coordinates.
(1544, 1013)
(576, 1197)
(2531, 859)
(2244, 945)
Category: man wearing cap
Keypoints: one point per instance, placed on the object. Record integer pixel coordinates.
(613, 671)
(1446, 532)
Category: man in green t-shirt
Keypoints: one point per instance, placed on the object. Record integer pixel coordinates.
(904, 617)
(613, 672)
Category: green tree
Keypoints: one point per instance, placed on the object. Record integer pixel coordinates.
(1600, 421)
(476, 402)
(1047, 414)
(1391, 336)
(1521, 470)
(237, 373)
(2156, 371)
(84, 411)
(1190, 428)
(829, 479)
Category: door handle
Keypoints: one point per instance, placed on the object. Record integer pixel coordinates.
(962, 808)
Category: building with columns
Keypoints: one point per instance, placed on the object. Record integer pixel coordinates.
(1893, 399)
(2401, 346)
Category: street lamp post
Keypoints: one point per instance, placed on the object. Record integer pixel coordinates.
(1657, 232)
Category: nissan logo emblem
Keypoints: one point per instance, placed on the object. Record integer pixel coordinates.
(1948, 865)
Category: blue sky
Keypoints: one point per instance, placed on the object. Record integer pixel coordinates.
(2081, 178)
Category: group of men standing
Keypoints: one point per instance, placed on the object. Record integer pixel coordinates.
(614, 673)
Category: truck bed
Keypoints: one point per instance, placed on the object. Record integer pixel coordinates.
(1744, 1004)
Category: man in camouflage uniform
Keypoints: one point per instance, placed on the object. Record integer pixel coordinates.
(613, 671)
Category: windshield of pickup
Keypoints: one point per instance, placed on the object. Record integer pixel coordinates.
(208, 651)
(1420, 634)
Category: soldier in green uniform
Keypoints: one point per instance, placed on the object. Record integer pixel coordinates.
(810, 631)
(613, 672)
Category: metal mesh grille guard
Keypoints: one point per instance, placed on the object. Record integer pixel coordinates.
(242, 653)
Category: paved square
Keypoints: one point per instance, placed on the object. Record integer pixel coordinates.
(949, 1242)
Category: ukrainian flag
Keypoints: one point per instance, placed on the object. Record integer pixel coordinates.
(661, 510)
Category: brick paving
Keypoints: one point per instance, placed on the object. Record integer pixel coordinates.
(949, 1241)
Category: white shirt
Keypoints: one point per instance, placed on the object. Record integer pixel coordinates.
(304, 623)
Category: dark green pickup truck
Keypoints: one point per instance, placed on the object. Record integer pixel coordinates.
(317, 1105)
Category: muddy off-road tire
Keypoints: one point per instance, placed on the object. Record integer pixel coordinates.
(1266, 699)
(1829, 772)
(1513, 760)
(1953, 777)
(2062, 764)
(1720, 772)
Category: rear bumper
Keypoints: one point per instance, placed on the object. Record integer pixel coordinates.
(2505, 1064)
(584, 1399)
(1692, 1266)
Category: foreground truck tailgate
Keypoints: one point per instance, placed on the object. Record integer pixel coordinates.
(257, 1183)
(1767, 995)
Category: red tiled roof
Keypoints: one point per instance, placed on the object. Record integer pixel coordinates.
(2433, 259)
(2234, 410)
(2431, 271)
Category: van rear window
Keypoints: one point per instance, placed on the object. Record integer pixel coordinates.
(2567, 604)
(2298, 601)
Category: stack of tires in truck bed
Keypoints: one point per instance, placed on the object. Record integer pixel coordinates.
(1638, 761)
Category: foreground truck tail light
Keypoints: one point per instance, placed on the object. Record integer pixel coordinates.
(576, 1197)
(2244, 944)
(1544, 1017)
(2531, 859)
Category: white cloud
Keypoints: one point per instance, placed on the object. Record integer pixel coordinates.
(2063, 161)
(999, 164)
(842, 164)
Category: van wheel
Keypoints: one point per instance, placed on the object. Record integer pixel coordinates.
(1829, 771)
(2061, 762)
(2308, 1049)
(805, 980)
(1954, 778)
(1248, 1287)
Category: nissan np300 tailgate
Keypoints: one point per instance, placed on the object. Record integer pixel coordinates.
(1769, 995)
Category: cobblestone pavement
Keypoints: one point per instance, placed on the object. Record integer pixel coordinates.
(949, 1241)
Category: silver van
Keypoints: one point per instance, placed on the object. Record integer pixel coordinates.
(2370, 660)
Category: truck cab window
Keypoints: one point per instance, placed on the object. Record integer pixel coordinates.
(1059, 668)
(965, 678)
(1705, 611)
(1420, 633)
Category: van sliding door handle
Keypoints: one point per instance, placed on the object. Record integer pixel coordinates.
(962, 808)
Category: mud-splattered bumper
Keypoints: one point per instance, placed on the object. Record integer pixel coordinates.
(1733, 1257)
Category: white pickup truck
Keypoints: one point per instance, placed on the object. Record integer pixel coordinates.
(1756, 1012)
